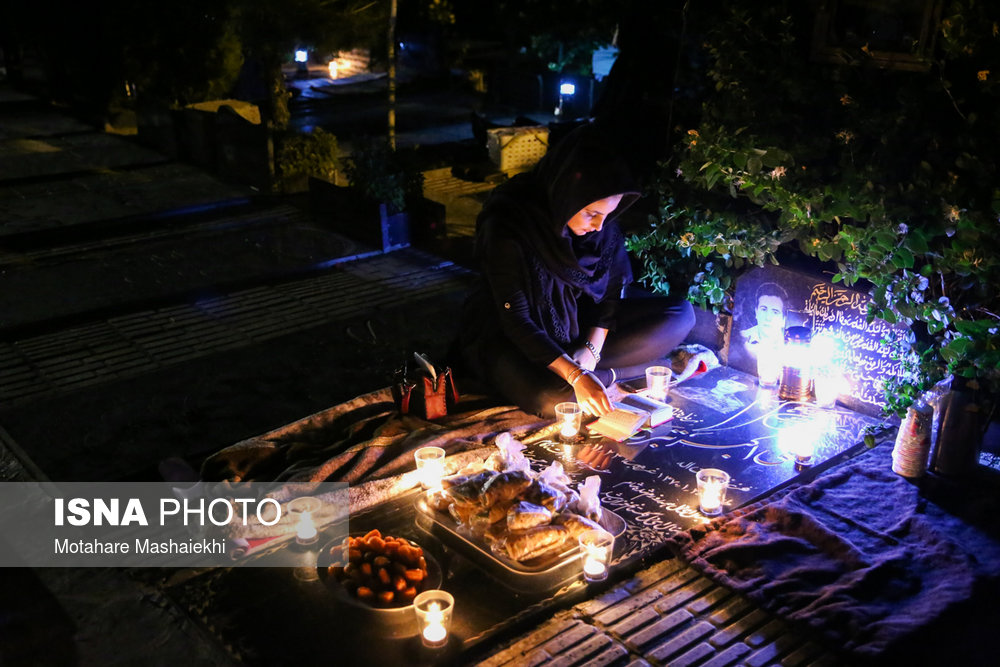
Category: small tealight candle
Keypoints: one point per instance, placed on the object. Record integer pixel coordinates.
(658, 382)
(712, 486)
(828, 386)
(597, 547)
(433, 609)
(769, 363)
(799, 440)
(569, 417)
(305, 527)
(430, 466)
(305, 531)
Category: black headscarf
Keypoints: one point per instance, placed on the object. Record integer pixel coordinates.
(534, 208)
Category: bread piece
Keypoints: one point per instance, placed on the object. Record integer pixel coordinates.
(547, 496)
(524, 515)
(505, 486)
(534, 542)
(575, 523)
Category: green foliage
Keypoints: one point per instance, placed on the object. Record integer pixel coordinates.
(563, 35)
(383, 175)
(890, 177)
(302, 155)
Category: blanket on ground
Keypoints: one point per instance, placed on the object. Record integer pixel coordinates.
(362, 439)
(859, 554)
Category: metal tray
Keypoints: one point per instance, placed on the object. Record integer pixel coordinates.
(544, 574)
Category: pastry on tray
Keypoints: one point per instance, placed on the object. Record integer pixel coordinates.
(524, 515)
(534, 542)
(519, 513)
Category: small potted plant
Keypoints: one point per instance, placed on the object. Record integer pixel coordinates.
(304, 156)
(381, 186)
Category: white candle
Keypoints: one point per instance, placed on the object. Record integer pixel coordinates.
(430, 466)
(711, 496)
(828, 387)
(569, 417)
(434, 631)
(593, 568)
(305, 531)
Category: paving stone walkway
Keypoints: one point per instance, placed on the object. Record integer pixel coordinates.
(668, 614)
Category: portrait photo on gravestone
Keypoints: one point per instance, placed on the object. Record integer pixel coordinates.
(771, 299)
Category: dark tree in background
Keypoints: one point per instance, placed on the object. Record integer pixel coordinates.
(178, 52)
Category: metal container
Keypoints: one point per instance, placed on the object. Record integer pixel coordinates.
(549, 574)
(796, 373)
(960, 432)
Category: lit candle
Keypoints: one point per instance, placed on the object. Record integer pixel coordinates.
(430, 466)
(712, 485)
(303, 509)
(798, 439)
(828, 386)
(434, 609)
(597, 546)
(435, 632)
(305, 531)
(803, 451)
(593, 568)
(711, 496)
(570, 417)
(769, 363)
(658, 382)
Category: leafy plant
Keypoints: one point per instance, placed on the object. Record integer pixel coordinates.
(888, 177)
(301, 155)
(383, 175)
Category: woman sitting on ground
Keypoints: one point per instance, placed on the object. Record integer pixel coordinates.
(548, 322)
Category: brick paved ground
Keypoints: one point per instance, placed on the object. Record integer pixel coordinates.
(667, 614)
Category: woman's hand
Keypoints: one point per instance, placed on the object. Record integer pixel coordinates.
(585, 358)
(591, 395)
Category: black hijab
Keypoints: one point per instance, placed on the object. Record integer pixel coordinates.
(534, 207)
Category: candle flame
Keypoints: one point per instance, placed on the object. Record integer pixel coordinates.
(306, 529)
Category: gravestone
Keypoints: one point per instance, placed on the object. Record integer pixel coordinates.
(771, 298)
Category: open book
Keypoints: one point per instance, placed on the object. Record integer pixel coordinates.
(630, 414)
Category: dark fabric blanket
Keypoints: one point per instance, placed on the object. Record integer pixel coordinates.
(860, 555)
(362, 439)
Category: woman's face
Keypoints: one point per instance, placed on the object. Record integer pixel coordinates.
(592, 216)
(771, 314)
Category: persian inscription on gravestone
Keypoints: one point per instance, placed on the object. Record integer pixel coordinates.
(769, 299)
(865, 346)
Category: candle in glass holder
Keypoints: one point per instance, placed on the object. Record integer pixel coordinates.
(769, 362)
(305, 507)
(712, 486)
(433, 609)
(799, 440)
(658, 382)
(597, 547)
(569, 417)
(430, 466)
(305, 531)
(828, 386)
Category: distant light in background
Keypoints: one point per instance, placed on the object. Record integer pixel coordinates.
(334, 67)
(301, 55)
(567, 89)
